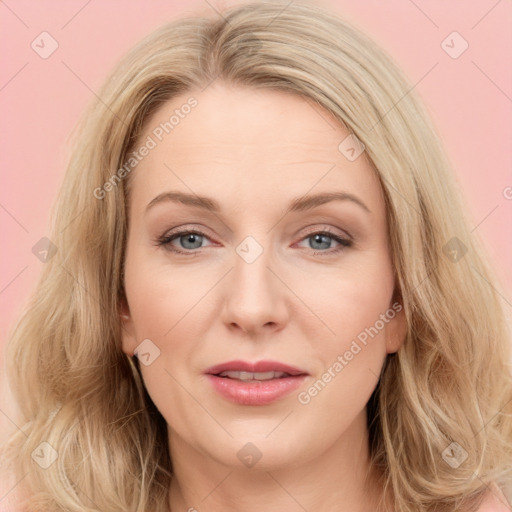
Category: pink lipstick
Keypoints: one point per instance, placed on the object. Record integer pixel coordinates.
(259, 383)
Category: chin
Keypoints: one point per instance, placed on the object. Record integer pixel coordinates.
(261, 452)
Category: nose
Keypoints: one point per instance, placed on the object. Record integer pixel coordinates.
(257, 301)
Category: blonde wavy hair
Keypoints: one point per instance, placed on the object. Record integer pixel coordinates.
(448, 383)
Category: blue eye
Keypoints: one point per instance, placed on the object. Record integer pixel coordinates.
(190, 240)
(321, 242)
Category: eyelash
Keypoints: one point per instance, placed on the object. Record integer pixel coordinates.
(165, 241)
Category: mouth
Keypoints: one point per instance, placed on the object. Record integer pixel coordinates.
(258, 383)
(260, 370)
(253, 376)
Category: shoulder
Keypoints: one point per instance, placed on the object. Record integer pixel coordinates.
(494, 501)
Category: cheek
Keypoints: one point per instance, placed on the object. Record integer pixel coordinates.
(354, 355)
(161, 305)
(353, 298)
(357, 308)
(160, 296)
(167, 307)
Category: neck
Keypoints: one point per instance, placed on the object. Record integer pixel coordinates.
(341, 479)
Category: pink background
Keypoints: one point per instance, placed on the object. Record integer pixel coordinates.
(41, 99)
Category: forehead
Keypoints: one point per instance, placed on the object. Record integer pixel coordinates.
(249, 144)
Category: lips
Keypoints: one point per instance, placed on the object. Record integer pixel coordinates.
(258, 367)
(246, 376)
(259, 383)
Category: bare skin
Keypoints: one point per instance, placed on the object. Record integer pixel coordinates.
(302, 301)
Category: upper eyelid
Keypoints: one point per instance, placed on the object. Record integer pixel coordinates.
(330, 230)
(185, 231)
(310, 229)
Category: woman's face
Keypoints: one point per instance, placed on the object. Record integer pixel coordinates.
(235, 255)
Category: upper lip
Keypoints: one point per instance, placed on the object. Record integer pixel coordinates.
(259, 366)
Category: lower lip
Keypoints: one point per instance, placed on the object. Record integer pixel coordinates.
(255, 392)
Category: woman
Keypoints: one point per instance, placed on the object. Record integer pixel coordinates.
(265, 295)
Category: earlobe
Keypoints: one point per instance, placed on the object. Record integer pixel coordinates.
(127, 330)
(396, 331)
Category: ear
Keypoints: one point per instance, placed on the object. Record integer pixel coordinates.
(396, 329)
(129, 340)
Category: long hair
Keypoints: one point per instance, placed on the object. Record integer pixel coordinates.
(440, 419)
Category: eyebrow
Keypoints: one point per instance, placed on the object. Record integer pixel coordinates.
(296, 205)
